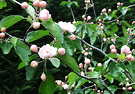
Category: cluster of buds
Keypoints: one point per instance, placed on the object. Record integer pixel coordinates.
(119, 4)
(2, 34)
(103, 10)
(86, 18)
(113, 49)
(130, 32)
(87, 1)
(127, 85)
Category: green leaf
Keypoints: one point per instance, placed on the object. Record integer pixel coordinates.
(79, 26)
(131, 1)
(114, 28)
(81, 82)
(55, 62)
(125, 23)
(124, 31)
(71, 77)
(30, 72)
(121, 56)
(113, 69)
(3, 4)
(35, 35)
(63, 3)
(74, 2)
(48, 86)
(55, 30)
(10, 20)
(22, 64)
(124, 40)
(21, 49)
(68, 45)
(123, 10)
(78, 91)
(78, 44)
(93, 39)
(111, 80)
(131, 69)
(6, 46)
(30, 10)
(70, 61)
(111, 55)
(113, 14)
(113, 88)
(89, 30)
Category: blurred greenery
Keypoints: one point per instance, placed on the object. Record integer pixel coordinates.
(12, 80)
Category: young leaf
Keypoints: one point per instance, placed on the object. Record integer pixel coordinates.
(81, 82)
(35, 35)
(123, 10)
(30, 10)
(69, 61)
(10, 20)
(6, 46)
(55, 62)
(93, 39)
(3, 4)
(77, 44)
(21, 49)
(48, 86)
(121, 56)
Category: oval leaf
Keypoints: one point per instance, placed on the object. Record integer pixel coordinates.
(55, 62)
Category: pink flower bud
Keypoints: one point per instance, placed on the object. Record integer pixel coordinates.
(34, 64)
(122, 83)
(114, 51)
(90, 68)
(61, 51)
(124, 88)
(104, 39)
(109, 10)
(65, 86)
(66, 77)
(73, 86)
(36, 3)
(3, 29)
(72, 37)
(132, 58)
(80, 64)
(118, 4)
(102, 27)
(112, 47)
(36, 25)
(83, 51)
(74, 22)
(80, 67)
(128, 57)
(87, 61)
(125, 49)
(42, 4)
(58, 82)
(82, 73)
(89, 18)
(43, 77)
(104, 10)
(86, 53)
(127, 84)
(44, 15)
(2, 35)
(127, 79)
(83, 16)
(91, 23)
(121, 4)
(129, 88)
(24, 5)
(113, 40)
(99, 64)
(34, 48)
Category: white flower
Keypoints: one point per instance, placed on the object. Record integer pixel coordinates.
(47, 51)
(67, 26)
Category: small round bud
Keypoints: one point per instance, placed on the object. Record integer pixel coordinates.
(128, 57)
(42, 4)
(58, 82)
(132, 58)
(104, 39)
(36, 25)
(127, 79)
(24, 5)
(43, 77)
(66, 77)
(102, 27)
(83, 16)
(73, 86)
(127, 84)
(34, 48)
(91, 23)
(112, 47)
(109, 10)
(118, 4)
(87, 61)
(72, 37)
(99, 64)
(89, 18)
(90, 68)
(61, 51)
(121, 4)
(129, 88)
(65, 86)
(2, 35)
(36, 3)
(86, 53)
(83, 51)
(122, 83)
(104, 10)
(82, 73)
(113, 40)
(34, 64)
(114, 51)
(124, 88)
(74, 22)
(3, 29)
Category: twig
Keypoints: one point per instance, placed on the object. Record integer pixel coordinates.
(94, 10)
(16, 2)
(27, 32)
(88, 87)
(128, 75)
(108, 89)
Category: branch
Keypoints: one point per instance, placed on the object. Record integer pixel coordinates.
(128, 75)
(16, 2)
(94, 10)
(108, 89)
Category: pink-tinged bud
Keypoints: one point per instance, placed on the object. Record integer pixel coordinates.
(100, 20)
(72, 37)
(43, 77)
(102, 27)
(95, 85)
(89, 18)
(44, 15)
(109, 10)
(83, 51)
(128, 57)
(99, 64)
(58, 82)
(127, 84)
(34, 64)
(104, 39)
(36, 25)
(73, 86)
(83, 16)
(80, 64)
(2, 35)
(124, 88)
(114, 51)
(127, 79)
(65, 86)
(80, 67)
(128, 29)
(118, 7)
(91, 23)
(42, 4)
(34, 48)
(66, 77)
(3, 29)
(86, 49)
(125, 49)
(129, 88)
(104, 10)
(90, 68)
(87, 61)
(36, 3)
(118, 4)
(132, 58)
(93, 89)
(126, 32)
(121, 4)
(98, 91)
(112, 47)
(24, 5)
(115, 35)
(82, 73)
(86, 53)
(113, 40)
(61, 51)
(122, 83)
(74, 22)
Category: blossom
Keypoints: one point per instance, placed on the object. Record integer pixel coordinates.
(44, 15)
(67, 26)
(47, 51)
(125, 49)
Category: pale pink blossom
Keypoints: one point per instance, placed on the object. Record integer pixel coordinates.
(42, 4)
(87, 61)
(61, 51)
(44, 15)
(67, 26)
(47, 51)
(59, 82)
(125, 49)
(65, 86)
(112, 47)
